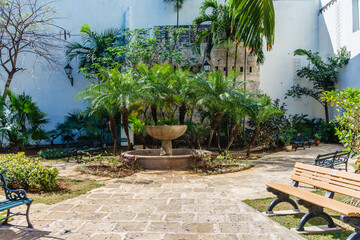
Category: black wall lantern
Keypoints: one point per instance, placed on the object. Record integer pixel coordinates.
(207, 66)
(68, 71)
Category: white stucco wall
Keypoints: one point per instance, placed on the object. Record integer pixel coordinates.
(296, 26)
(338, 22)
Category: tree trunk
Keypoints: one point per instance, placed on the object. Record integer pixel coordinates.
(182, 114)
(7, 85)
(253, 139)
(234, 133)
(125, 120)
(177, 14)
(112, 126)
(154, 114)
(227, 63)
(327, 118)
(218, 138)
(235, 58)
(215, 122)
(245, 66)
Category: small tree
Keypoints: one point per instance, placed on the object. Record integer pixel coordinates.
(348, 103)
(322, 75)
(24, 28)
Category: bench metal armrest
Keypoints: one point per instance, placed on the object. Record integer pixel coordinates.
(15, 194)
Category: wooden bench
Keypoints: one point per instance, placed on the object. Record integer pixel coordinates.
(14, 198)
(333, 181)
(329, 160)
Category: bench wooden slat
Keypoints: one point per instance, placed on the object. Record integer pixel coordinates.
(342, 174)
(331, 179)
(318, 200)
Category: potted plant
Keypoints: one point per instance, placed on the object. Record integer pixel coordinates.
(317, 139)
(287, 142)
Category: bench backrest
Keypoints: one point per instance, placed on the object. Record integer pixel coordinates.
(329, 179)
(332, 155)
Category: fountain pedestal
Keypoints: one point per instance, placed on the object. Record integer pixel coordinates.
(166, 148)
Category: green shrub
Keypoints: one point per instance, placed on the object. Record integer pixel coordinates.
(28, 173)
(53, 153)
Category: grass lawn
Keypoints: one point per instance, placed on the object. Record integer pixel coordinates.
(292, 221)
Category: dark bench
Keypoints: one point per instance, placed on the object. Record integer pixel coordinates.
(329, 160)
(297, 141)
(333, 181)
(14, 198)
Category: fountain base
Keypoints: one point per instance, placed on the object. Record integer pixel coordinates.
(151, 159)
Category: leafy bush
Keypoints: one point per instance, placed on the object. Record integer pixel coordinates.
(28, 173)
(53, 153)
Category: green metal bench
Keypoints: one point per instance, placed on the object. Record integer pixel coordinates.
(296, 141)
(329, 160)
(14, 198)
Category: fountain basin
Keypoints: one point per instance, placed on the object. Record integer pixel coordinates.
(166, 132)
(151, 159)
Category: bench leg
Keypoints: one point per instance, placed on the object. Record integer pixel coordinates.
(27, 215)
(314, 211)
(281, 197)
(354, 222)
(5, 222)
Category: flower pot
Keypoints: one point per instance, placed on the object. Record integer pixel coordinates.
(317, 142)
(288, 148)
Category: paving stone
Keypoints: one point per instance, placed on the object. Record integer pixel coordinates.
(106, 237)
(165, 227)
(180, 217)
(126, 227)
(62, 207)
(144, 236)
(121, 216)
(198, 227)
(149, 216)
(177, 236)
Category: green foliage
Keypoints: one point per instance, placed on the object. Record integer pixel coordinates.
(348, 130)
(94, 50)
(253, 19)
(28, 173)
(149, 47)
(286, 139)
(22, 120)
(322, 75)
(53, 153)
(317, 136)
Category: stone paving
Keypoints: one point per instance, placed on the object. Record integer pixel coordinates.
(169, 205)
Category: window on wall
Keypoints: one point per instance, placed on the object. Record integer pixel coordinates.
(356, 20)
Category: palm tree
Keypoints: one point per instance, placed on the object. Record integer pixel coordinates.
(259, 111)
(22, 119)
(252, 19)
(183, 96)
(93, 51)
(155, 86)
(214, 90)
(178, 5)
(114, 94)
(238, 106)
(207, 34)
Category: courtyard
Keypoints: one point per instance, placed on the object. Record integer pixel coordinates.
(169, 205)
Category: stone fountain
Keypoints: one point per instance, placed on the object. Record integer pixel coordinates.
(166, 157)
